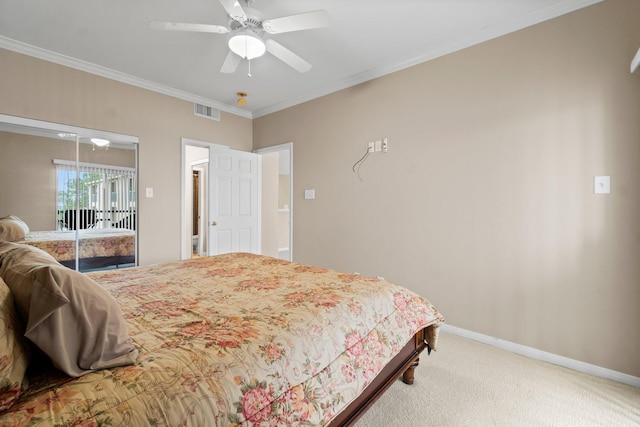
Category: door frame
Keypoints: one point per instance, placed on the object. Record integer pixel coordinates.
(203, 176)
(185, 247)
(277, 148)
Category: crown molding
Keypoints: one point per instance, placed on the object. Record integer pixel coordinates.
(552, 12)
(455, 45)
(78, 64)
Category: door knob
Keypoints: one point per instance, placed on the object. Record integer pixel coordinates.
(213, 223)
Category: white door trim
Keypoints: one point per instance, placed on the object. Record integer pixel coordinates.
(276, 148)
(185, 249)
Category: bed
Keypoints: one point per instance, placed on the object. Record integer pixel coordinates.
(99, 247)
(235, 339)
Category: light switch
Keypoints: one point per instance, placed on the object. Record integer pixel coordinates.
(149, 192)
(309, 194)
(602, 184)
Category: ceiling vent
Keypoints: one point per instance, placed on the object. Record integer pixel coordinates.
(206, 111)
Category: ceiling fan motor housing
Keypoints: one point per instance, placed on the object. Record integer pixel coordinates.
(253, 21)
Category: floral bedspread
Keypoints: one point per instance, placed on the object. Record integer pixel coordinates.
(99, 242)
(239, 340)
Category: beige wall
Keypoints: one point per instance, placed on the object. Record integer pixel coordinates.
(26, 158)
(484, 202)
(36, 89)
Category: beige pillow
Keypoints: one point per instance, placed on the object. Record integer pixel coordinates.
(68, 316)
(12, 230)
(21, 222)
(14, 350)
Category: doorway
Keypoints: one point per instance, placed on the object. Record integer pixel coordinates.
(277, 201)
(195, 161)
(195, 212)
(195, 229)
(199, 179)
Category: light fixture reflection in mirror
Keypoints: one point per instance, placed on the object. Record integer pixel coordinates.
(100, 142)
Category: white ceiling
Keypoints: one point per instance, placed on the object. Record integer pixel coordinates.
(366, 39)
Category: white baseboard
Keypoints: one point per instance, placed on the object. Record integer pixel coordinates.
(533, 353)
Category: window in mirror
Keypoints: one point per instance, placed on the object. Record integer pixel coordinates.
(106, 196)
(77, 198)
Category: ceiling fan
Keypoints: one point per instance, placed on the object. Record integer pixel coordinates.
(247, 32)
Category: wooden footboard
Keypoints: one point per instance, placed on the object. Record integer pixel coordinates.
(100, 262)
(402, 365)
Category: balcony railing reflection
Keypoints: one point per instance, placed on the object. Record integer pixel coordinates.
(70, 219)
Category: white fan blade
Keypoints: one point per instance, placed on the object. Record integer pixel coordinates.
(286, 56)
(303, 21)
(235, 11)
(230, 64)
(180, 26)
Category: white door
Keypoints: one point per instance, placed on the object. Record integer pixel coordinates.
(233, 201)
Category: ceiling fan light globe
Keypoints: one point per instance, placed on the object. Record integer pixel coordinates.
(247, 45)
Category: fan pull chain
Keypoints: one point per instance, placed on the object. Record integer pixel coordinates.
(246, 49)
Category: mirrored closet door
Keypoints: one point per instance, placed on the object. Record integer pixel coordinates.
(74, 189)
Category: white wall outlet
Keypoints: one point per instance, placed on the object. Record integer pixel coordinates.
(309, 194)
(385, 145)
(371, 147)
(602, 184)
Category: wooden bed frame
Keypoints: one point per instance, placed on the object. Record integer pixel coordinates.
(85, 264)
(403, 364)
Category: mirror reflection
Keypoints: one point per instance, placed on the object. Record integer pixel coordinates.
(74, 193)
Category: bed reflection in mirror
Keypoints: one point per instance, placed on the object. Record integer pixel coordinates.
(76, 197)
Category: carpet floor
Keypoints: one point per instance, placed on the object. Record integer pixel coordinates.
(466, 383)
